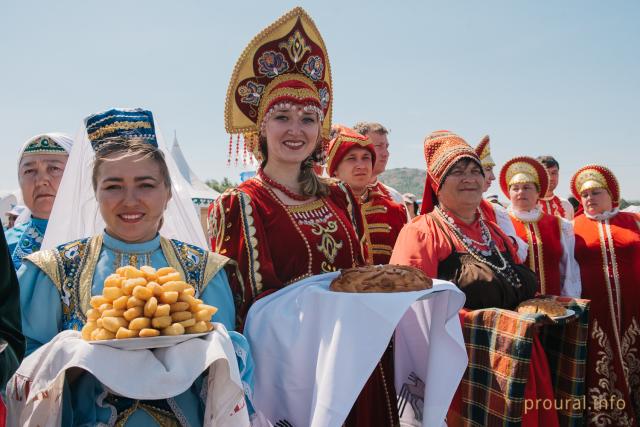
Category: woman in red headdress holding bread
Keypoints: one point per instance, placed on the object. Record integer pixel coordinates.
(287, 223)
(608, 251)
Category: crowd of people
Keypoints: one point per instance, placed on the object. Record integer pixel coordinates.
(316, 207)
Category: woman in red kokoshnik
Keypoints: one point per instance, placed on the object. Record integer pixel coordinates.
(608, 251)
(550, 238)
(287, 223)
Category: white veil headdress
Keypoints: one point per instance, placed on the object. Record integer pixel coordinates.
(61, 139)
(76, 213)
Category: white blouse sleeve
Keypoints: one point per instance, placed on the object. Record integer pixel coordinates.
(504, 222)
(569, 269)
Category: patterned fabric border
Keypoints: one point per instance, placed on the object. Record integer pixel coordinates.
(499, 344)
(566, 348)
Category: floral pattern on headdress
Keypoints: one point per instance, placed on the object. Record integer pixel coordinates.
(285, 63)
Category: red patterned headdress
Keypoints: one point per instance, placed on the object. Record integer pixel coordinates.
(285, 63)
(595, 176)
(522, 170)
(341, 144)
(483, 151)
(442, 149)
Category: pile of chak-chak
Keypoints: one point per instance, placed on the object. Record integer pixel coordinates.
(146, 303)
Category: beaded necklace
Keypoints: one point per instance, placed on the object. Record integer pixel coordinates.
(505, 270)
(275, 184)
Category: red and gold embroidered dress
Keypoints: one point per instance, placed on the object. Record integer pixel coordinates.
(545, 250)
(608, 252)
(549, 238)
(287, 65)
(275, 244)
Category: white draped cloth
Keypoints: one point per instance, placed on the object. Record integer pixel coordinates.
(34, 394)
(314, 349)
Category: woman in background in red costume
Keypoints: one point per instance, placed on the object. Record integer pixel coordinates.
(550, 238)
(287, 223)
(608, 251)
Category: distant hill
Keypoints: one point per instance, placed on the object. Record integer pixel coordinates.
(405, 180)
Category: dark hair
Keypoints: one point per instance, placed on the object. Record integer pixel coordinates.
(312, 184)
(365, 128)
(548, 161)
(128, 147)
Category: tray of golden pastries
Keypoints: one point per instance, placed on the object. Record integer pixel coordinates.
(148, 343)
(381, 278)
(548, 306)
(146, 308)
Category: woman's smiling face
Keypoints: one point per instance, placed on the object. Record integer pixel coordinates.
(133, 196)
(292, 134)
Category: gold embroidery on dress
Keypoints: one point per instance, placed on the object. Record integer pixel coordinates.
(631, 362)
(86, 276)
(601, 412)
(162, 418)
(328, 245)
(539, 243)
(170, 256)
(306, 207)
(46, 261)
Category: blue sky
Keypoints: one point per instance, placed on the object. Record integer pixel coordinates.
(540, 77)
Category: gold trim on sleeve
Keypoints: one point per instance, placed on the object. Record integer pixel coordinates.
(46, 261)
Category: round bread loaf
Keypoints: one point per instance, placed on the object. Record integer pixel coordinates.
(382, 278)
(548, 306)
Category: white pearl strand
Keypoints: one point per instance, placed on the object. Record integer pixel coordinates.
(505, 270)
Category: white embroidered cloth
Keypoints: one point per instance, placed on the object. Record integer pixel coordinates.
(34, 393)
(314, 349)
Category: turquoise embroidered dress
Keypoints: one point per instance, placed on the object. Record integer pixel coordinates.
(55, 288)
(25, 239)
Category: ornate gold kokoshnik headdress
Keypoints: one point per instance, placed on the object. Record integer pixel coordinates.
(523, 170)
(287, 62)
(595, 176)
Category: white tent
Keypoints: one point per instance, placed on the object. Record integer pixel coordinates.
(201, 194)
(7, 201)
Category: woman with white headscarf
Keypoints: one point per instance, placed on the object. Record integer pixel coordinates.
(41, 164)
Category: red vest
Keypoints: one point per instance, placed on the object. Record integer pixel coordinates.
(545, 250)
